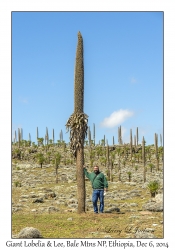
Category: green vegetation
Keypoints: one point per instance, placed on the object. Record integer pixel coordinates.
(82, 226)
(56, 225)
(40, 159)
(17, 184)
(129, 175)
(151, 165)
(153, 187)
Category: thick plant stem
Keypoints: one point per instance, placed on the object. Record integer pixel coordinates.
(94, 133)
(80, 180)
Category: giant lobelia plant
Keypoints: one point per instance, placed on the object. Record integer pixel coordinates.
(77, 123)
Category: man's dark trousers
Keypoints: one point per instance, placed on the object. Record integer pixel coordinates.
(98, 194)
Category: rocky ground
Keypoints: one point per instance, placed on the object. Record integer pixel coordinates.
(35, 191)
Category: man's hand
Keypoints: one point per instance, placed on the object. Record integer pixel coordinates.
(105, 189)
(84, 166)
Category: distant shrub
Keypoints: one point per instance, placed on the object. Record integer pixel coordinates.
(153, 187)
(17, 184)
(129, 175)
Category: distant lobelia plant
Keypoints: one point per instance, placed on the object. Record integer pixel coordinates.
(89, 136)
(108, 167)
(112, 158)
(131, 142)
(98, 151)
(57, 163)
(104, 141)
(151, 165)
(143, 159)
(137, 136)
(135, 141)
(132, 161)
(19, 137)
(129, 175)
(153, 187)
(103, 160)
(53, 136)
(40, 141)
(94, 133)
(40, 159)
(120, 136)
(156, 143)
(160, 150)
(37, 134)
(46, 137)
(119, 169)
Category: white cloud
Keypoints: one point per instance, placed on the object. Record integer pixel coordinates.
(116, 118)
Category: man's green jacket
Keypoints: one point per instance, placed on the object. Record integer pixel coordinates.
(98, 181)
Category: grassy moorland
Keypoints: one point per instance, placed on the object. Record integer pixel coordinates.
(44, 195)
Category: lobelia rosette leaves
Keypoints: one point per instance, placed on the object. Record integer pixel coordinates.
(77, 124)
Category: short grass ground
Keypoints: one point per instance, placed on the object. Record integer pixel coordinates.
(88, 225)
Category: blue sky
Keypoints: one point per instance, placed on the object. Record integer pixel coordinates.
(123, 72)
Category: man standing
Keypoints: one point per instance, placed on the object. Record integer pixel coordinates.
(99, 185)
